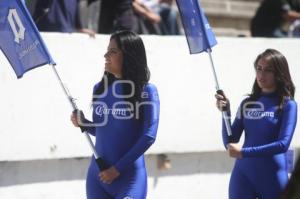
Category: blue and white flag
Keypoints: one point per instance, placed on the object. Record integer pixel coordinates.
(197, 30)
(20, 40)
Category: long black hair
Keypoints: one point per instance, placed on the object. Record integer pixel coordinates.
(284, 85)
(134, 69)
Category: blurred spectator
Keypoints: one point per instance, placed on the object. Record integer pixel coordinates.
(30, 4)
(294, 29)
(292, 16)
(292, 190)
(156, 17)
(116, 15)
(274, 17)
(169, 17)
(148, 20)
(59, 16)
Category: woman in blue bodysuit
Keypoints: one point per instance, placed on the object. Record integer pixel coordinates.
(125, 121)
(268, 117)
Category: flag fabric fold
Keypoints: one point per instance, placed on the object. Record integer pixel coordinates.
(20, 40)
(199, 35)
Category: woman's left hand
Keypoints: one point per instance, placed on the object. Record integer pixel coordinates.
(109, 175)
(235, 150)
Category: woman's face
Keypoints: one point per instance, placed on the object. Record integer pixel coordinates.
(265, 76)
(114, 59)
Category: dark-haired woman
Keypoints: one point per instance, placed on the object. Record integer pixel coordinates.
(268, 117)
(125, 121)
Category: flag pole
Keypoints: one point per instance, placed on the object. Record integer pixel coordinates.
(201, 38)
(225, 114)
(100, 162)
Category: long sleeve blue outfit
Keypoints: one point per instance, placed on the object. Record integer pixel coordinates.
(121, 140)
(262, 172)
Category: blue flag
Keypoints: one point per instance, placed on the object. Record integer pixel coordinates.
(197, 30)
(20, 40)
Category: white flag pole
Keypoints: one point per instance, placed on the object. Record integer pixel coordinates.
(225, 114)
(100, 162)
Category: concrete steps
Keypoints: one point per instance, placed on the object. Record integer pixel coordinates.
(230, 17)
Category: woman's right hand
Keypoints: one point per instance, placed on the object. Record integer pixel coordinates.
(77, 117)
(222, 102)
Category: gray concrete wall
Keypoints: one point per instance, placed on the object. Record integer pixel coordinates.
(191, 175)
(38, 171)
(230, 17)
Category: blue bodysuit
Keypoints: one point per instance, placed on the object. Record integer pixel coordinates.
(122, 138)
(262, 172)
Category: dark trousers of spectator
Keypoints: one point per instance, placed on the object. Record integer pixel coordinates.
(113, 18)
(169, 25)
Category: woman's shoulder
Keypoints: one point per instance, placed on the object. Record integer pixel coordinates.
(289, 103)
(150, 91)
(149, 87)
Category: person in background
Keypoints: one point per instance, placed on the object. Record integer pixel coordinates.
(274, 18)
(156, 17)
(116, 15)
(59, 16)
